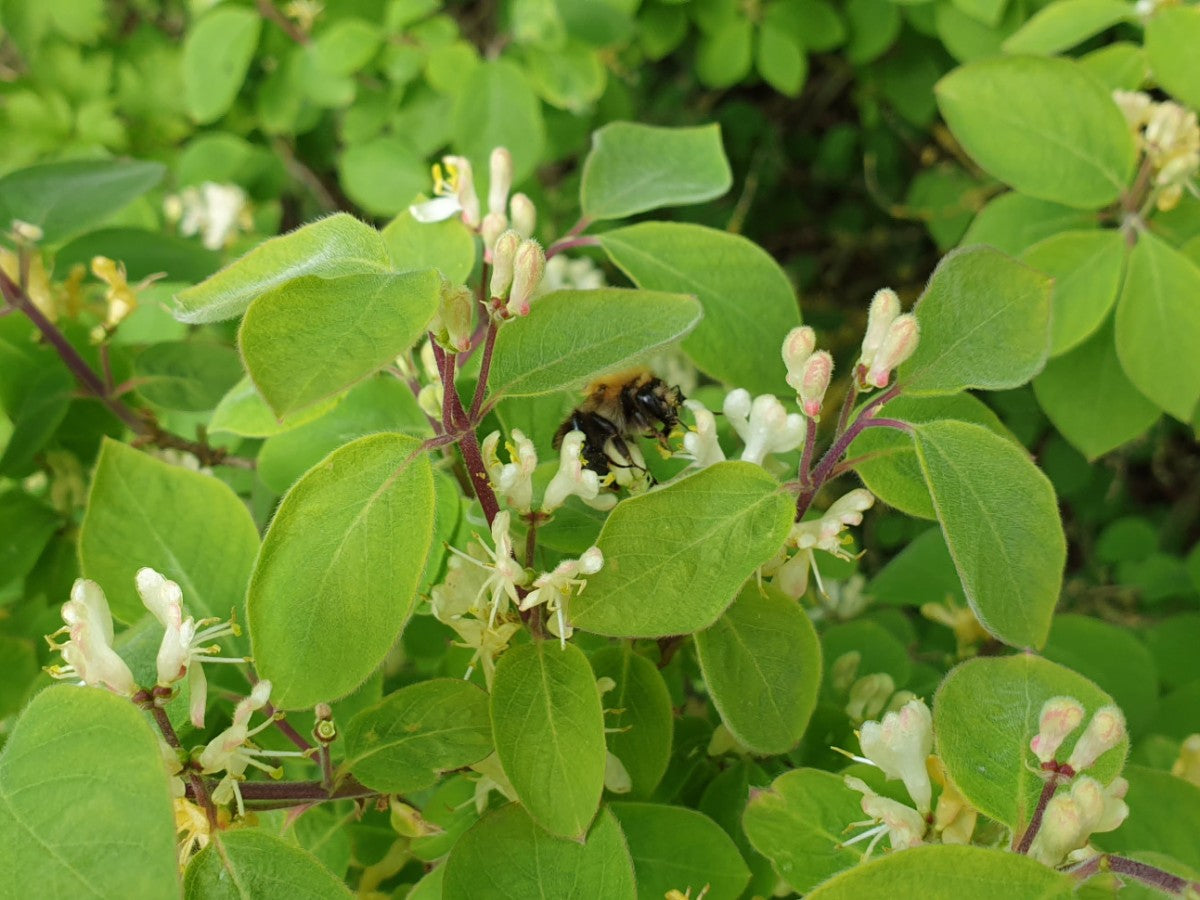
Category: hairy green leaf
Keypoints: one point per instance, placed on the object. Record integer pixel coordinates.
(248, 862)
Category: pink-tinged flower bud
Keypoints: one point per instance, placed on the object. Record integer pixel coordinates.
(1105, 731)
(523, 214)
(797, 348)
(814, 382)
(1063, 830)
(898, 345)
(504, 254)
(494, 225)
(501, 180)
(1060, 716)
(885, 307)
(453, 323)
(528, 268)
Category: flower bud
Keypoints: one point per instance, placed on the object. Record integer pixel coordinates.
(885, 307)
(1063, 830)
(501, 180)
(898, 345)
(844, 670)
(868, 697)
(814, 382)
(797, 348)
(1187, 766)
(453, 323)
(523, 214)
(528, 267)
(464, 189)
(494, 225)
(504, 254)
(1104, 732)
(1060, 716)
(430, 400)
(25, 231)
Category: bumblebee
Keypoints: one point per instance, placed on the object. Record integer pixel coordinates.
(616, 410)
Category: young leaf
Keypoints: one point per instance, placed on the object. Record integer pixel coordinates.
(948, 872)
(1013, 222)
(446, 246)
(749, 304)
(1158, 326)
(1002, 525)
(404, 742)
(675, 558)
(314, 337)
(1042, 125)
(673, 846)
(336, 578)
(190, 527)
(572, 335)
(256, 864)
(799, 823)
(506, 856)
(639, 716)
(83, 786)
(985, 323)
(330, 247)
(1061, 25)
(549, 731)
(1171, 38)
(762, 663)
(633, 168)
(216, 55)
(984, 715)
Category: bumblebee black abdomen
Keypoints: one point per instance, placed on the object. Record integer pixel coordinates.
(597, 431)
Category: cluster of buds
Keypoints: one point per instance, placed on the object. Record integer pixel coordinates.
(1087, 808)
(890, 339)
(518, 265)
(826, 533)
(808, 370)
(454, 194)
(90, 658)
(1170, 137)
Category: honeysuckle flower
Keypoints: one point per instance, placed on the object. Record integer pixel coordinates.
(961, 620)
(556, 587)
(88, 651)
(456, 602)
(193, 831)
(1060, 716)
(1073, 816)
(120, 299)
(38, 286)
(304, 12)
(453, 192)
(217, 212)
(186, 642)
(504, 255)
(900, 746)
(500, 167)
(616, 776)
(1187, 766)
(899, 344)
(1103, 732)
(27, 231)
(814, 382)
(572, 479)
(869, 696)
(903, 825)
(529, 265)
(504, 574)
(954, 818)
(700, 443)
(844, 671)
(763, 424)
(513, 480)
(523, 215)
(1135, 106)
(798, 346)
(494, 225)
(885, 307)
(453, 323)
(1172, 141)
(562, 271)
(842, 600)
(627, 467)
(824, 533)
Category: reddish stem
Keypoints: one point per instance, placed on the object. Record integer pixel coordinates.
(567, 243)
(198, 789)
(485, 368)
(1039, 812)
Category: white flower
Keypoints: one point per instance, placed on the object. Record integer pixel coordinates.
(763, 425)
(513, 480)
(1073, 816)
(454, 192)
(572, 478)
(214, 211)
(563, 272)
(505, 574)
(1059, 717)
(797, 347)
(1103, 732)
(700, 443)
(88, 653)
(185, 642)
(900, 745)
(555, 588)
(903, 825)
(824, 534)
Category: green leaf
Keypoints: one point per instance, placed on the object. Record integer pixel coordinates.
(446, 246)
(892, 473)
(1158, 326)
(922, 572)
(26, 525)
(748, 301)
(1120, 66)
(1013, 222)
(877, 648)
(339, 568)
(143, 253)
(947, 872)
(780, 59)
(497, 108)
(799, 823)
(66, 198)
(1086, 267)
(35, 416)
(1042, 125)
(724, 521)
(640, 716)
(1164, 815)
(989, 12)
(507, 857)
(1090, 399)
(314, 337)
(216, 55)
(549, 731)
(984, 715)
(243, 411)
(346, 46)
(190, 527)
(404, 742)
(383, 175)
(86, 811)
(570, 336)
(762, 663)
(191, 376)
(572, 78)
(331, 247)
(1002, 525)
(677, 848)
(1171, 38)
(724, 56)
(249, 863)
(633, 168)
(985, 323)
(874, 26)
(1066, 23)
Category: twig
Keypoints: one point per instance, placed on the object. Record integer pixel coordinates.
(1039, 812)
(567, 243)
(485, 368)
(268, 11)
(198, 788)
